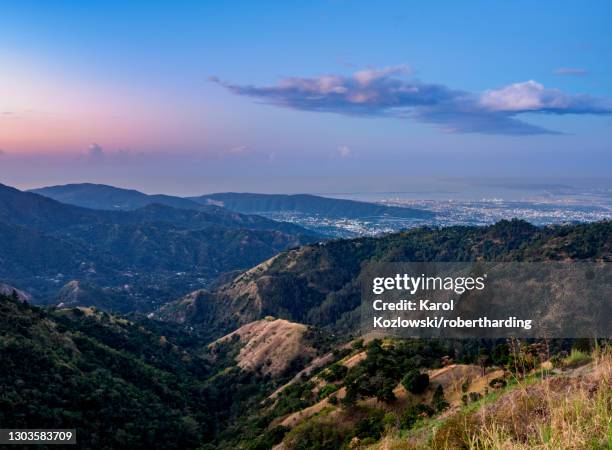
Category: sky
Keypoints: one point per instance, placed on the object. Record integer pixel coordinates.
(318, 96)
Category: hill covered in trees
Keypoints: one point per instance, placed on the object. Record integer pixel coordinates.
(124, 383)
(320, 283)
(219, 372)
(144, 256)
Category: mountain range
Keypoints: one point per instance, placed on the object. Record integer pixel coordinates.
(99, 196)
(272, 358)
(335, 208)
(146, 255)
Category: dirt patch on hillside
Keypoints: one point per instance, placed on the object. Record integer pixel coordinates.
(354, 360)
(269, 346)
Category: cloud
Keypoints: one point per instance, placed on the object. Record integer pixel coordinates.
(388, 92)
(94, 153)
(2, 152)
(239, 150)
(531, 96)
(343, 151)
(95, 150)
(571, 71)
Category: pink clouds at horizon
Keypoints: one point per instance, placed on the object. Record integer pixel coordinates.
(50, 114)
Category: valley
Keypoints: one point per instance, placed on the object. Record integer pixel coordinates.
(211, 329)
(133, 260)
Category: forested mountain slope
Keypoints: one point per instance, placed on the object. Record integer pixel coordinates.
(320, 284)
(146, 256)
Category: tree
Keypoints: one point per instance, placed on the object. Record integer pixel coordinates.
(415, 381)
(335, 372)
(439, 402)
(413, 413)
(483, 359)
(350, 399)
(385, 392)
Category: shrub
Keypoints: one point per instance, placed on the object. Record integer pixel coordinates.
(455, 432)
(414, 413)
(335, 372)
(585, 345)
(327, 390)
(315, 435)
(269, 439)
(352, 395)
(576, 358)
(390, 420)
(370, 427)
(439, 402)
(556, 361)
(497, 383)
(500, 354)
(385, 392)
(474, 396)
(415, 381)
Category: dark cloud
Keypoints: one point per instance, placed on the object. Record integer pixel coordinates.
(571, 71)
(388, 92)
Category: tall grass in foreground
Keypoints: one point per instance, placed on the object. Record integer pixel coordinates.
(558, 413)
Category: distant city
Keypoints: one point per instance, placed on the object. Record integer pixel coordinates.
(538, 211)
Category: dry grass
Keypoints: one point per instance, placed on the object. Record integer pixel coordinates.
(560, 412)
(269, 345)
(568, 410)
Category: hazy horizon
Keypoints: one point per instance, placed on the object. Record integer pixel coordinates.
(430, 188)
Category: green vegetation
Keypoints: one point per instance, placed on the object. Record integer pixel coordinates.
(315, 435)
(415, 381)
(414, 413)
(294, 397)
(327, 390)
(119, 383)
(54, 374)
(438, 401)
(576, 358)
(157, 384)
(320, 284)
(385, 365)
(145, 249)
(335, 372)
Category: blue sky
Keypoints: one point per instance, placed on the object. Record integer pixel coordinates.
(120, 92)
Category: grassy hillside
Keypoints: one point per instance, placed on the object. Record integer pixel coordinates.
(559, 403)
